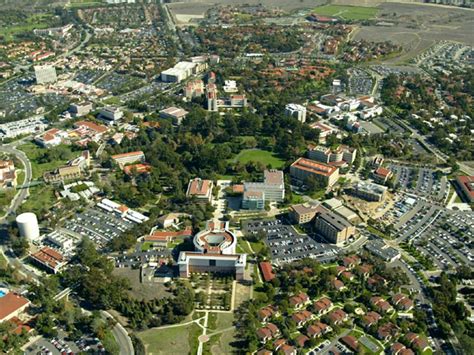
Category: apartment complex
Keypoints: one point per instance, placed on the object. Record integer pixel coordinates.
(200, 189)
(339, 156)
(302, 169)
(335, 228)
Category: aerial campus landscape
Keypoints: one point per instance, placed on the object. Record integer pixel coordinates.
(236, 177)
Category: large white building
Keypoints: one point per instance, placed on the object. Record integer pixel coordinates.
(111, 114)
(297, 111)
(182, 71)
(215, 252)
(338, 156)
(31, 125)
(45, 74)
(273, 186)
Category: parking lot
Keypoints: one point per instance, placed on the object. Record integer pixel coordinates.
(449, 241)
(420, 181)
(287, 245)
(60, 346)
(98, 226)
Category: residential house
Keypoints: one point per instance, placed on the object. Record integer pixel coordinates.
(351, 342)
(418, 342)
(380, 304)
(387, 331)
(318, 329)
(322, 305)
(350, 261)
(402, 302)
(338, 316)
(268, 332)
(301, 340)
(299, 300)
(370, 319)
(266, 313)
(301, 318)
(336, 284)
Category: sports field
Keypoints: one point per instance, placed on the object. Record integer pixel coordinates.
(347, 12)
(262, 156)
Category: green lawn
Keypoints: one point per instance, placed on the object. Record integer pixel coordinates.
(262, 156)
(347, 12)
(110, 344)
(6, 197)
(147, 246)
(40, 201)
(38, 21)
(178, 340)
(34, 153)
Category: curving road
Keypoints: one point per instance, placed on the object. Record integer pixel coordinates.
(121, 336)
(22, 194)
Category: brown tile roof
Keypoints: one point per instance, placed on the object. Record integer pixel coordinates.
(48, 256)
(267, 271)
(11, 303)
(314, 167)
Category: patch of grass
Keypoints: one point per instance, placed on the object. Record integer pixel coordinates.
(356, 13)
(40, 201)
(147, 246)
(35, 153)
(37, 21)
(110, 344)
(6, 197)
(260, 156)
(257, 246)
(182, 340)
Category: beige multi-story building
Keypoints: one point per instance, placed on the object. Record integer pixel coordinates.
(302, 169)
(335, 228)
(303, 213)
(129, 158)
(339, 156)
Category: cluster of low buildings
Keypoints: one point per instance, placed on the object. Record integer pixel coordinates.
(7, 174)
(32, 125)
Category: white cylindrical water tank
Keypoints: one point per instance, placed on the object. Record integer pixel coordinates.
(28, 226)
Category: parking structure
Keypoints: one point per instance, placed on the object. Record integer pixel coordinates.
(287, 245)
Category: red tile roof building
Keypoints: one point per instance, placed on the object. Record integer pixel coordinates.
(267, 271)
(12, 305)
(466, 184)
(49, 259)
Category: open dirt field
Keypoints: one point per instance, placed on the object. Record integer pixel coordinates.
(199, 7)
(419, 26)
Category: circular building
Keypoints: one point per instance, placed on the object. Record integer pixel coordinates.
(28, 226)
(216, 239)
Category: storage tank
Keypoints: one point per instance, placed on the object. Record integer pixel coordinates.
(28, 226)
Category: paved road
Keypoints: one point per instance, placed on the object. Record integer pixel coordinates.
(121, 337)
(22, 194)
